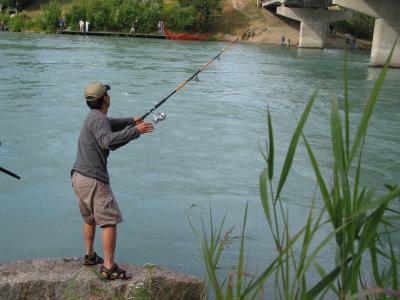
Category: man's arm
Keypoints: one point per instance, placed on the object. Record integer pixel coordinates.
(109, 139)
(118, 124)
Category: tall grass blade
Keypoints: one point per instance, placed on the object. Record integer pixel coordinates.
(309, 234)
(271, 148)
(287, 254)
(321, 183)
(346, 105)
(367, 237)
(262, 153)
(362, 127)
(257, 283)
(323, 274)
(357, 178)
(293, 144)
(240, 270)
(363, 208)
(318, 248)
(374, 265)
(324, 282)
(337, 138)
(211, 271)
(393, 264)
(264, 196)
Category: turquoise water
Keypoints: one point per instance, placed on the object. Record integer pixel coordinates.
(205, 153)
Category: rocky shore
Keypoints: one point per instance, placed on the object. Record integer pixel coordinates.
(68, 278)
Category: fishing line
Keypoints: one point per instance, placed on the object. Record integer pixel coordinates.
(161, 116)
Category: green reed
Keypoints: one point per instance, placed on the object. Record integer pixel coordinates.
(362, 222)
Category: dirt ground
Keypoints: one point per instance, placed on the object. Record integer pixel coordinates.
(252, 24)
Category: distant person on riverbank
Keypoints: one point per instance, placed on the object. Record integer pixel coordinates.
(90, 179)
(348, 38)
(160, 26)
(61, 23)
(132, 31)
(81, 25)
(283, 41)
(87, 23)
(353, 42)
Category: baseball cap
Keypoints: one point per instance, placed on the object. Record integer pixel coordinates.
(95, 90)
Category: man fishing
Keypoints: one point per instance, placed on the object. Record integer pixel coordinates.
(90, 179)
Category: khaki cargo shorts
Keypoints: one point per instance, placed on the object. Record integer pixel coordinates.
(96, 201)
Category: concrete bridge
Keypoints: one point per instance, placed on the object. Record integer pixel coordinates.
(386, 30)
(314, 16)
(297, 3)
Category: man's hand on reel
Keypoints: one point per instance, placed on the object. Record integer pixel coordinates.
(144, 127)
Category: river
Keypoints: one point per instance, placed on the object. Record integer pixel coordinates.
(206, 153)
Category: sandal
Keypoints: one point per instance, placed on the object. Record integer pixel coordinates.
(114, 273)
(94, 259)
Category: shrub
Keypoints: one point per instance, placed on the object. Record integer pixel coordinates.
(182, 19)
(51, 15)
(99, 14)
(77, 12)
(116, 15)
(196, 15)
(150, 14)
(208, 11)
(360, 25)
(18, 22)
(363, 25)
(126, 14)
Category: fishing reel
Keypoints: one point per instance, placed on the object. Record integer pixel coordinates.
(159, 117)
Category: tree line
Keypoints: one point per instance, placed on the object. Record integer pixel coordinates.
(117, 15)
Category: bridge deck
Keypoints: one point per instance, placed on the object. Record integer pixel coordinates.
(298, 3)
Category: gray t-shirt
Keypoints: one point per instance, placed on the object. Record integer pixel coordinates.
(98, 136)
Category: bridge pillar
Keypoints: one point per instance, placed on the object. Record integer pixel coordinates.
(387, 27)
(313, 23)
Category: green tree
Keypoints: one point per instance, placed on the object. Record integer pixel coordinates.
(208, 11)
(150, 14)
(51, 15)
(198, 15)
(116, 14)
(363, 25)
(182, 19)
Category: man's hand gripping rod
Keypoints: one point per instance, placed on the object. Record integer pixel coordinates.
(161, 116)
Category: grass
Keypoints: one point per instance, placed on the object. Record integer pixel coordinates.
(362, 223)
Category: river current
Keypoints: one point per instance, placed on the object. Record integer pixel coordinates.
(206, 153)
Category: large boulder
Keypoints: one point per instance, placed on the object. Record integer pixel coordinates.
(68, 278)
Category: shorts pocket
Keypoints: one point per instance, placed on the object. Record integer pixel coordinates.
(83, 181)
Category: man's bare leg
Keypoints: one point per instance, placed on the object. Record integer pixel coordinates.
(109, 237)
(89, 232)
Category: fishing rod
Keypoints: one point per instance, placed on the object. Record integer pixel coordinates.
(161, 116)
(9, 172)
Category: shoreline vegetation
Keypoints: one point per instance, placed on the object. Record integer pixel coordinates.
(360, 224)
(222, 20)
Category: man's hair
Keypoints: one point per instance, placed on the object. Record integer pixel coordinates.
(96, 104)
